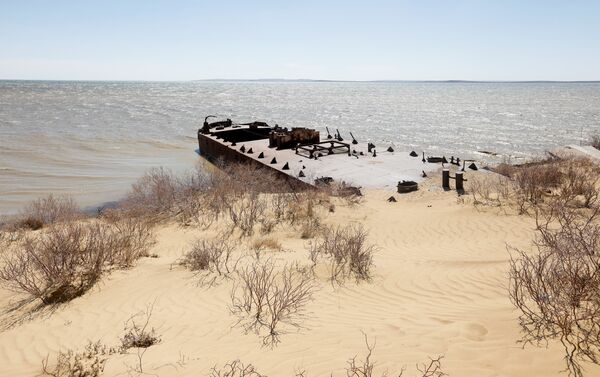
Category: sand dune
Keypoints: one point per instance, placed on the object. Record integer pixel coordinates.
(440, 288)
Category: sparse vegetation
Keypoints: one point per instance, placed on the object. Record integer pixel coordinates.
(366, 367)
(235, 369)
(63, 262)
(212, 256)
(347, 250)
(540, 183)
(354, 368)
(89, 363)
(557, 289)
(264, 297)
(265, 243)
(140, 336)
(48, 210)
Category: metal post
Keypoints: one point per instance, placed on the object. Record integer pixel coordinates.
(459, 181)
(446, 179)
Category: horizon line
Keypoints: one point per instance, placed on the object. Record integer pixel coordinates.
(309, 80)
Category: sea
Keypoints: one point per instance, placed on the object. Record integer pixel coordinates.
(91, 140)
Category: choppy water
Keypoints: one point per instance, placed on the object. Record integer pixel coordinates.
(92, 139)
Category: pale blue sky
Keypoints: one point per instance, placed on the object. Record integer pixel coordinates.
(338, 40)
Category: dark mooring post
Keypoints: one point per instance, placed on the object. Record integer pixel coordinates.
(446, 179)
(459, 182)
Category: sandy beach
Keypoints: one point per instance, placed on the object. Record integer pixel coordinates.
(439, 288)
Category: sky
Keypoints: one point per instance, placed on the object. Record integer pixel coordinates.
(501, 40)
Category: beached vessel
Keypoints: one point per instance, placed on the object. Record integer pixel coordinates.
(300, 155)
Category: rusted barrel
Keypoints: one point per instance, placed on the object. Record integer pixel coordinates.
(407, 186)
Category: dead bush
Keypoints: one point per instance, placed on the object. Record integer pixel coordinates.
(132, 239)
(349, 193)
(65, 261)
(48, 210)
(153, 195)
(10, 232)
(58, 265)
(190, 205)
(90, 362)
(535, 180)
(235, 369)
(579, 186)
(505, 168)
(366, 367)
(310, 227)
(246, 211)
(264, 297)
(534, 185)
(347, 250)
(213, 256)
(138, 334)
(557, 289)
(490, 189)
(266, 243)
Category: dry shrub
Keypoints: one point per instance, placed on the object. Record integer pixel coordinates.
(48, 210)
(235, 369)
(239, 190)
(266, 243)
(348, 251)
(506, 169)
(246, 211)
(305, 205)
(557, 289)
(153, 195)
(579, 187)
(541, 183)
(490, 189)
(132, 238)
(310, 227)
(212, 256)
(349, 193)
(191, 203)
(138, 334)
(366, 367)
(264, 297)
(10, 232)
(65, 261)
(58, 265)
(535, 180)
(89, 363)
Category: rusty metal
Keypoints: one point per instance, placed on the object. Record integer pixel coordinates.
(315, 149)
(407, 186)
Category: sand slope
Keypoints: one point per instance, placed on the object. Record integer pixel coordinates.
(440, 288)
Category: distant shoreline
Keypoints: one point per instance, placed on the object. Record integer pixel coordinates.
(217, 80)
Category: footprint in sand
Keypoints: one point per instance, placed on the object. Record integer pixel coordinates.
(474, 331)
